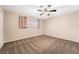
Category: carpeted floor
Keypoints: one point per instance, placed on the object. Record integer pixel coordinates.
(41, 45)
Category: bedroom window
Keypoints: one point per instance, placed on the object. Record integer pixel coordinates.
(25, 22)
(32, 23)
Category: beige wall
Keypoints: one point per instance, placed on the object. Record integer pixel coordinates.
(12, 32)
(66, 27)
(1, 27)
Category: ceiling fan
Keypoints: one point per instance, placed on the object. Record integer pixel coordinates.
(46, 10)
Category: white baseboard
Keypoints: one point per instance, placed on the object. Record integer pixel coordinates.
(20, 39)
(1, 45)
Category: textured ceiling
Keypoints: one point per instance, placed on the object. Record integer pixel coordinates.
(31, 10)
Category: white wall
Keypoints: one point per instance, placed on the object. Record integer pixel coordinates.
(12, 32)
(1, 27)
(66, 27)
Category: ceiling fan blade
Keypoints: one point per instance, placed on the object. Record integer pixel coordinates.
(48, 14)
(52, 10)
(49, 5)
(39, 10)
(41, 14)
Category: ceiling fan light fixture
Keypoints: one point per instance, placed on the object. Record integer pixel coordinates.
(52, 10)
(46, 10)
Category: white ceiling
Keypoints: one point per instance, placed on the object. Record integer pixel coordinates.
(31, 10)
